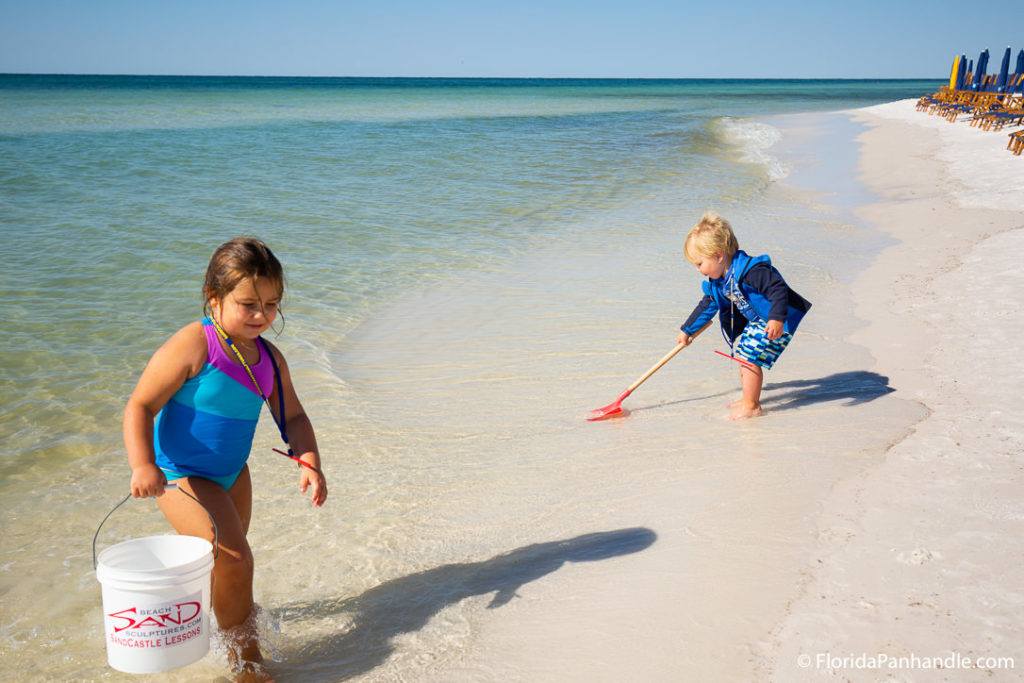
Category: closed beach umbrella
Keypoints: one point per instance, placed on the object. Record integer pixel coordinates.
(1004, 71)
(979, 75)
(961, 72)
(1020, 71)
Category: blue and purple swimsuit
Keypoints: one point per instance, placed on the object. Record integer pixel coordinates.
(206, 428)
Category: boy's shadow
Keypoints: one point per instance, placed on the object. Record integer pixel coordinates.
(369, 623)
(857, 387)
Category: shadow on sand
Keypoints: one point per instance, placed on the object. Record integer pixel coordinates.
(858, 386)
(855, 387)
(368, 623)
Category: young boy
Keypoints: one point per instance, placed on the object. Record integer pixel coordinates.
(753, 303)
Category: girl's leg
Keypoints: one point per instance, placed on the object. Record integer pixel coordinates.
(233, 568)
(751, 379)
(246, 657)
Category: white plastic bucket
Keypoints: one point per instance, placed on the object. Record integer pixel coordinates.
(156, 602)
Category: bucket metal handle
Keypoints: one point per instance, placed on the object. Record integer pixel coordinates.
(216, 535)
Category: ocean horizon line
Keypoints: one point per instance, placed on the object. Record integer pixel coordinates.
(476, 79)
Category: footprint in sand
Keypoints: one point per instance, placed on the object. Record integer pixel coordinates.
(918, 556)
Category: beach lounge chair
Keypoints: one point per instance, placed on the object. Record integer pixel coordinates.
(1008, 110)
(929, 103)
(986, 105)
(968, 102)
(925, 102)
(1016, 144)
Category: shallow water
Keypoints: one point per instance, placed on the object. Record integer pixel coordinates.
(471, 270)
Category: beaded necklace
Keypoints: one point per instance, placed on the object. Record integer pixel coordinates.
(259, 390)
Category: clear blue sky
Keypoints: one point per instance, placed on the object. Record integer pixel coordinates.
(545, 38)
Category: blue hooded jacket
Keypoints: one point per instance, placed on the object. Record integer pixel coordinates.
(760, 291)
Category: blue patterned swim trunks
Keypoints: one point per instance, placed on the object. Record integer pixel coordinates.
(755, 347)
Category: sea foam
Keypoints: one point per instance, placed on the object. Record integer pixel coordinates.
(754, 139)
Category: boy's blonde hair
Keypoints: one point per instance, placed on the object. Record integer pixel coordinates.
(712, 235)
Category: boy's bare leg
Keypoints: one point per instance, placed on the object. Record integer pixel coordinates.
(751, 379)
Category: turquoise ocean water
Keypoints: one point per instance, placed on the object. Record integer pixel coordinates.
(431, 231)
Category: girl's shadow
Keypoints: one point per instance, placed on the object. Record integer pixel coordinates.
(368, 623)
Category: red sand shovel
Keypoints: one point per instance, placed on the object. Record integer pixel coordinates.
(615, 407)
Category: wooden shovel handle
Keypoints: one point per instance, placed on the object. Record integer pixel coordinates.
(668, 356)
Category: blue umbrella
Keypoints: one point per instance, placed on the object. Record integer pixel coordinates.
(1020, 71)
(970, 72)
(1004, 71)
(982, 66)
(961, 71)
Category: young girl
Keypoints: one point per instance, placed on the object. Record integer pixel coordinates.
(192, 417)
(758, 311)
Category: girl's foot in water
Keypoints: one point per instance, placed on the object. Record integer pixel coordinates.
(243, 652)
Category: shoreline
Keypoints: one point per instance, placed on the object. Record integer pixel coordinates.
(734, 506)
(919, 556)
(810, 546)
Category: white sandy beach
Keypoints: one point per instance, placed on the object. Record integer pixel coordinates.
(921, 556)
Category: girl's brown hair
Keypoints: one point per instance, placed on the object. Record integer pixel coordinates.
(240, 259)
